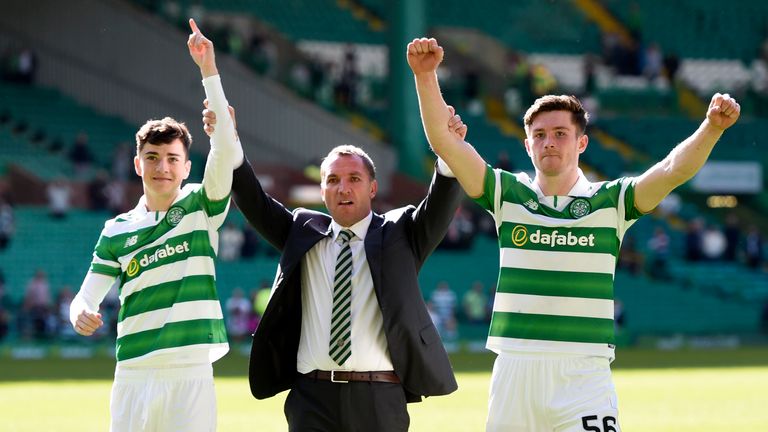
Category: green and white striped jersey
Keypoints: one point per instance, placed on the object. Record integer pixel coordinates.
(557, 260)
(170, 311)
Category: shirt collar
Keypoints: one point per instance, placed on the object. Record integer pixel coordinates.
(582, 187)
(360, 228)
(141, 207)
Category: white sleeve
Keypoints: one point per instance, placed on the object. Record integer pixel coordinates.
(95, 287)
(226, 153)
(443, 169)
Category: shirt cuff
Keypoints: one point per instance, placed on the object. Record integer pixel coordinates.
(212, 79)
(443, 169)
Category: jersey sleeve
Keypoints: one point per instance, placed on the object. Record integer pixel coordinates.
(215, 210)
(628, 213)
(104, 260)
(490, 199)
(486, 200)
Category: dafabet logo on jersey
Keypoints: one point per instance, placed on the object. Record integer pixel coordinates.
(160, 253)
(520, 237)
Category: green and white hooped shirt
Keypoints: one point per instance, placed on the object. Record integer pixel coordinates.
(170, 311)
(557, 257)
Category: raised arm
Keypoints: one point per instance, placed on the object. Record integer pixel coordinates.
(267, 215)
(226, 152)
(435, 212)
(424, 56)
(687, 158)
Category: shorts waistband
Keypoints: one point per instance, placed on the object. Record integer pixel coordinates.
(128, 374)
(547, 355)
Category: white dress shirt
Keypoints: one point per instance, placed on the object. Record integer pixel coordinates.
(369, 344)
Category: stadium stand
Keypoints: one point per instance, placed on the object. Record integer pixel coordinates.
(320, 20)
(516, 24)
(19, 151)
(62, 247)
(682, 26)
(46, 116)
(657, 308)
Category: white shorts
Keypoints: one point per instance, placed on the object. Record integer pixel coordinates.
(163, 399)
(538, 392)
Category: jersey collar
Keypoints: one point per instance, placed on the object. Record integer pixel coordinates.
(141, 207)
(582, 188)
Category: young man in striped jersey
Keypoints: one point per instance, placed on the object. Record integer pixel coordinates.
(559, 237)
(170, 327)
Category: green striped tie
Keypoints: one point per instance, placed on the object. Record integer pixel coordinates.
(341, 347)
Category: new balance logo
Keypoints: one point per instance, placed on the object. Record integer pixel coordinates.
(131, 241)
(531, 204)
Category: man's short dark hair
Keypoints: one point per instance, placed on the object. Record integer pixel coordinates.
(348, 150)
(550, 103)
(163, 131)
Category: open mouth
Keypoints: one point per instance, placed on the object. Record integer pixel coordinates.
(345, 203)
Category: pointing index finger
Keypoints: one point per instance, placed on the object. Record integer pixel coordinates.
(194, 27)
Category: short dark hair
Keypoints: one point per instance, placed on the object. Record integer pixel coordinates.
(549, 103)
(163, 131)
(349, 150)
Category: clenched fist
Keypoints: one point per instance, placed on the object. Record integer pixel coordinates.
(424, 55)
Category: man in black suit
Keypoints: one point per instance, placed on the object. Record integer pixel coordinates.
(354, 343)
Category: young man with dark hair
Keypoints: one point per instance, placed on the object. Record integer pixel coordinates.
(559, 237)
(170, 328)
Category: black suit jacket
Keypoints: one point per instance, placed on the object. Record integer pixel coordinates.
(396, 245)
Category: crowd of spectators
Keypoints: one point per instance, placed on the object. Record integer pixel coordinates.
(448, 310)
(727, 243)
(701, 242)
(42, 313)
(244, 313)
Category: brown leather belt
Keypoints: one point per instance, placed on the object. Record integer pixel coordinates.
(347, 376)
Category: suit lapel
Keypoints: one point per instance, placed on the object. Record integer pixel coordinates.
(312, 231)
(373, 244)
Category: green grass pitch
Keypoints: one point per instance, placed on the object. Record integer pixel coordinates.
(705, 390)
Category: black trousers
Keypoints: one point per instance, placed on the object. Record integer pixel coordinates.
(322, 406)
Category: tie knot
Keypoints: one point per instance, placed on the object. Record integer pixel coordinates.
(345, 236)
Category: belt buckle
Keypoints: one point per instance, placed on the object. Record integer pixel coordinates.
(333, 377)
